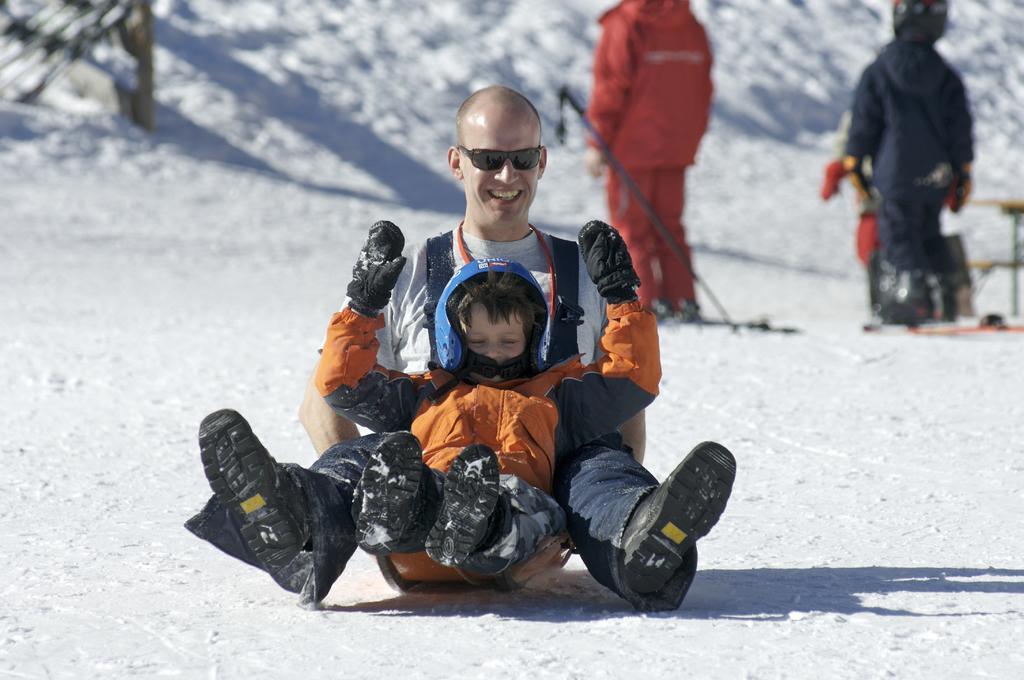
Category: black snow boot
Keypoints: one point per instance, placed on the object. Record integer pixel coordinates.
(398, 497)
(905, 297)
(662, 310)
(689, 312)
(467, 520)
(668, 521)
(270, 506)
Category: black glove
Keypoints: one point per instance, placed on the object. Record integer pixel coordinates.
(959, 189)
(377, 269)
(608, 262)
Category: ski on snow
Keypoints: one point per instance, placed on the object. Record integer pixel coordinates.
(987, 325)
(760, 325)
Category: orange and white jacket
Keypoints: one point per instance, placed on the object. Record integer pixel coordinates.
(528, 422)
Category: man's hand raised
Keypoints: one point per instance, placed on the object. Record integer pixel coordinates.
(377, 269)
(608, 262)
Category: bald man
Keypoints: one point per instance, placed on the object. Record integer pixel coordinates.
(496, 224)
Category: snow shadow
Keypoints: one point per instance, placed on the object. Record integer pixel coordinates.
(754, 594)
(299, 106)
(570, 232)
(780, 117)
(772, 594)
(205, 145)
(769, 262)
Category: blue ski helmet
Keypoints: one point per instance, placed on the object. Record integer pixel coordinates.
(448, 338)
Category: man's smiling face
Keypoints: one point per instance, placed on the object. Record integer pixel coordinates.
(497, 201)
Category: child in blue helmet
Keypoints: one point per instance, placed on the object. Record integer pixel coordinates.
(490, 406)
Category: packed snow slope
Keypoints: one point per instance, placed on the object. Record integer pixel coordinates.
(877, 524)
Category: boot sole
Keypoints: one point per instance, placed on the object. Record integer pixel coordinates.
(243, 477)
(470, 496)
(686, 510)
(390, 486)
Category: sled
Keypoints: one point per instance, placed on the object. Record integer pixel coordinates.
(988, 324)
(416, 571)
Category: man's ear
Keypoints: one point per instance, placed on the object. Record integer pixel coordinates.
(543, 161)
(455, 163)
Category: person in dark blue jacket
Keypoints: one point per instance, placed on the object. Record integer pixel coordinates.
(911, 116)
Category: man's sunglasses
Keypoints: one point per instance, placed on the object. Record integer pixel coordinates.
(487, 159)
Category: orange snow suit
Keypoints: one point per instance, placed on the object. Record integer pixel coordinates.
(527, 422)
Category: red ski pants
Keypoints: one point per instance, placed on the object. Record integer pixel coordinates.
(662, 275)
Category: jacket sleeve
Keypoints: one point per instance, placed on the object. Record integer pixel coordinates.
(354, 385)
(959, 123)
(613, 72)
(597, 398)
(867, 120)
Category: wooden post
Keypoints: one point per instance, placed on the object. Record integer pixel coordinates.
(1018, 251)
(138, 41)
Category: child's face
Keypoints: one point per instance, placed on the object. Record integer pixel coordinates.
(497, 340)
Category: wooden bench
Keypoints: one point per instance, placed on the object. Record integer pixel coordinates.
(1015, 209)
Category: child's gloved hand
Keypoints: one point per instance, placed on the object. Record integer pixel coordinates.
(608, 262)
(834, 174)
(959, 189)
(377, 269)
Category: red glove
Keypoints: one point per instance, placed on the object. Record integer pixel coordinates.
(834, 174)
(867, 237)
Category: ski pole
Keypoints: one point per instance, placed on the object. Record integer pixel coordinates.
(564, 95)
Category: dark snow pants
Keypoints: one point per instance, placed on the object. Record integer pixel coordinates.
(329, 486)
(911, 235)
(599, 486)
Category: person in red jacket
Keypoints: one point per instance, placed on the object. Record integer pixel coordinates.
(650, 103)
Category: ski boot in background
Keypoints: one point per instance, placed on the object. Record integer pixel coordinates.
(905, 298)
(662, 310)
(689, 312)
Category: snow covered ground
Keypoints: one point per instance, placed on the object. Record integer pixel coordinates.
(877, 524)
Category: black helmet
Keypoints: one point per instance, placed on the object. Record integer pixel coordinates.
(919, 20)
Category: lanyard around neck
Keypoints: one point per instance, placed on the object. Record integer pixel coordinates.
(464, 254)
